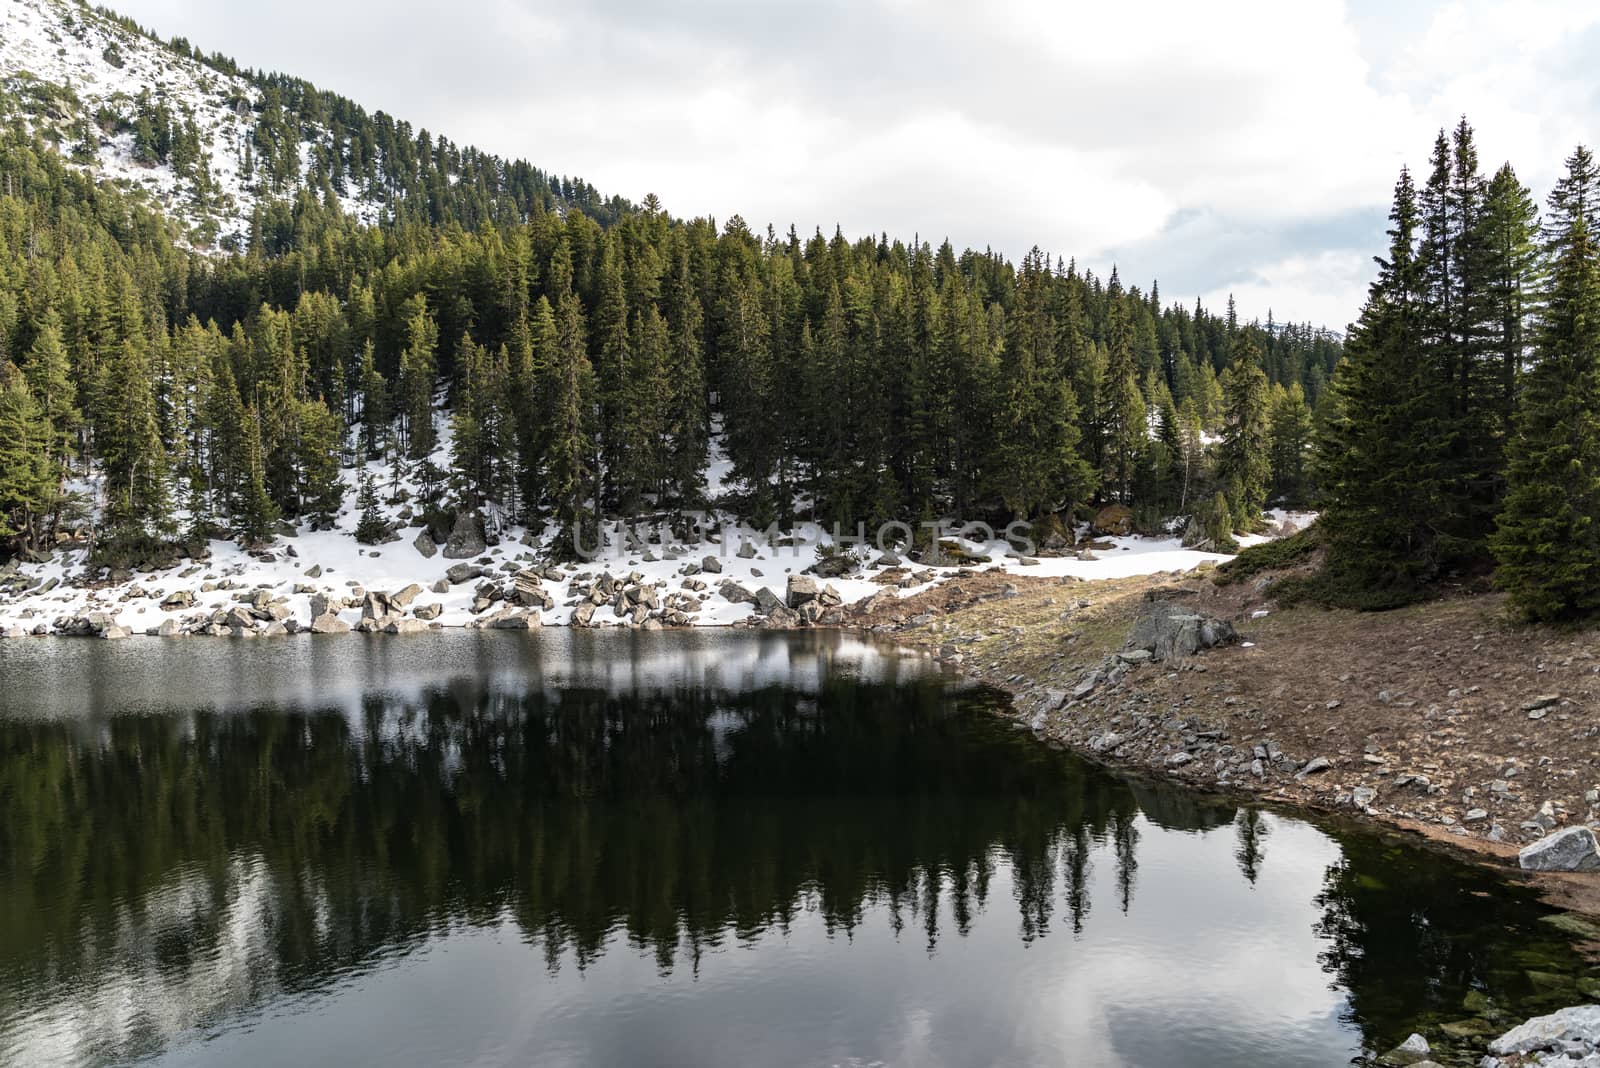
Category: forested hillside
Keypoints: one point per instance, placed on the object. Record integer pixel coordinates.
(578, 356)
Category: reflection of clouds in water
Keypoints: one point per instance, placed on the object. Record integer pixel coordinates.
(142, 999)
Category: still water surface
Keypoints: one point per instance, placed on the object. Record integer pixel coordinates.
(676, 849)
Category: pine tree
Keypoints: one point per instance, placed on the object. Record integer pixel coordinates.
(320, 445)
(375, 413)
(1243, 461)
(258, 512)
(28, 478)
(418, 370)
(1123, 409)
(1548, 540)
(1508, 236)
(49, 375)
(1382, 462)
(1290, 419)
(570, 455)
(372, 527)
(130, 447)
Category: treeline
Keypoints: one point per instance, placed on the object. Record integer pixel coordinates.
(1465, 432)
(416, 177)
(582, 369)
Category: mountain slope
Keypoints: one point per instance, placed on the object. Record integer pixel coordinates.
(213, 146)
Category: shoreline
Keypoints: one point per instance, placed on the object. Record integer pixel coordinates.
(1385, 759)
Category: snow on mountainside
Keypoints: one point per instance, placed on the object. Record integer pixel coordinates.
(82, 80)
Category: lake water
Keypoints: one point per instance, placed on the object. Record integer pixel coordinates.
(703, 849)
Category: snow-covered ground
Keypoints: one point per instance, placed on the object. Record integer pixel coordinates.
(341, 565)
(59, 43)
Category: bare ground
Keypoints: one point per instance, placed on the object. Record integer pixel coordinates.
(1431, 708)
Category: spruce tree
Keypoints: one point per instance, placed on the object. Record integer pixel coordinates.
(28, 478)
(1547, 543)
(371, 524)
(1290, 419)
(1382, 456)
(258, 512)
(418, 370)
(1243, 461)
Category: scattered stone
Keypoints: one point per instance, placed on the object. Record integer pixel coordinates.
(460, 573)
(1570, 849)
(1314, 766)
(425, 545)
(711, 565)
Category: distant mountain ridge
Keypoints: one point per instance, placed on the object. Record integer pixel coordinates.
(215, 147)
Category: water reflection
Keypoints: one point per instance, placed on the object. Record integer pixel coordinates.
(720, 849)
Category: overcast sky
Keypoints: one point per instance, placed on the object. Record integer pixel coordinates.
(1229, 147)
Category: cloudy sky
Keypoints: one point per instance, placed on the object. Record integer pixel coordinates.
(1236, 147)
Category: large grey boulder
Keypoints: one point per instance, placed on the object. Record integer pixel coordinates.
(1569, 849)
(465, 540)
(1172, 631)
(425, 545)
(711, 565)
(802, 590)
(1579, 1024)
(328, 623)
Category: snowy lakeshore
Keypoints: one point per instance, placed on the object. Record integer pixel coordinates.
(326, 580)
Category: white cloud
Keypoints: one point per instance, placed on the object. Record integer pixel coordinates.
(1325, 288)
(1093, 131)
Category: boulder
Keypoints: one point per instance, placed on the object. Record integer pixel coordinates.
(1569, 849)
(466, 538)
(328, 623)
(1578, 1025)
(512, 620)
(425, 545)
(801, 590)
(403, 625)
(441, 586)
(116, 633)
(583, 615)
(767, 601)
(1113, 521)
(177, 601)
(833, 566)
(460, 573)
(746, 551)
(732, 591)
(428, 611)
(711, 565)
(1170, 631)
(404, 598)
(170, 628)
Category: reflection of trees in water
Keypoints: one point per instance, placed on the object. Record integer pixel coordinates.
(674, 819)
(1409, 933)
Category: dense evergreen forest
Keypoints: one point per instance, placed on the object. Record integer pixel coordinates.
(581, 363)
(1464, 433)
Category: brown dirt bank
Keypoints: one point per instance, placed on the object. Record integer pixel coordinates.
(1466, 729)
